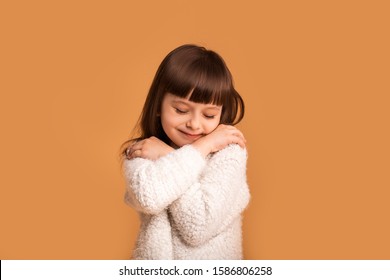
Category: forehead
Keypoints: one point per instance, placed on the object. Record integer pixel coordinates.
(173, 99)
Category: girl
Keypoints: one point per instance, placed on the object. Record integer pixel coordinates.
(186, 173)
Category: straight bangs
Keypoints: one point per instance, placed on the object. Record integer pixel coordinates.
(205, 80)
(194, 73)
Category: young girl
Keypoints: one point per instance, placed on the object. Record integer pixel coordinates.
(186, 173)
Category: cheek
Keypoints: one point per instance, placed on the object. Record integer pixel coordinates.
(168, 120)
(212, 125)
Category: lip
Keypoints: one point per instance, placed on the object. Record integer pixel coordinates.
(192, 136)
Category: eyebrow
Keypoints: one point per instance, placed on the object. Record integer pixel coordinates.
(214, 107)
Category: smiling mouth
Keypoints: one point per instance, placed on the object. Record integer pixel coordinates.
(191, 135)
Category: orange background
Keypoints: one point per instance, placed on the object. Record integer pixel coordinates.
(315, 78)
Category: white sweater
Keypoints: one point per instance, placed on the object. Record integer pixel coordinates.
(190, 207)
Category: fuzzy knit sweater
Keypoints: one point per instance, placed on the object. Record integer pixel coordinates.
(190, 207)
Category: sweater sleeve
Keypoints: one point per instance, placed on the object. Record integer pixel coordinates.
(152, 185)
(219, 197)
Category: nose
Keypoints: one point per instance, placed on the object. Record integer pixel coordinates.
(193, 122)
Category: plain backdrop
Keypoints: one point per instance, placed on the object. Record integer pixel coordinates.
(315, 79)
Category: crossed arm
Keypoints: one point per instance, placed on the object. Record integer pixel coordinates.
(205, 198)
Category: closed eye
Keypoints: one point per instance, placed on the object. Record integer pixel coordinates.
(180, 111)
(209, 117)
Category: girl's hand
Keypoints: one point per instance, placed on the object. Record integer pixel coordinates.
(222, 136)
(149, 148)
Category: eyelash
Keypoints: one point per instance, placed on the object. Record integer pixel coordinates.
(180, 111)
(185, 112)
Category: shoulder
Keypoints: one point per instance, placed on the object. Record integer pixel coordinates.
(184, 156)
(231, 152)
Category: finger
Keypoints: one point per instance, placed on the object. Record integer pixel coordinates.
(138, 145)
(239, 134)
(134, 154)
(238, 140)
(234, 129)
(137, 153)
(128, 152)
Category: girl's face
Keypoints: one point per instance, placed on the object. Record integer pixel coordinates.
(185, 121)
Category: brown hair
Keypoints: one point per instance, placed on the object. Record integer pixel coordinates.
(193, 72)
